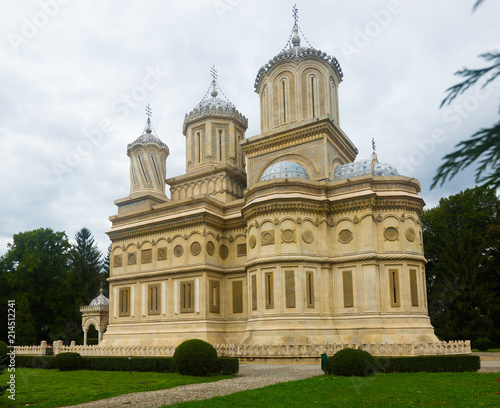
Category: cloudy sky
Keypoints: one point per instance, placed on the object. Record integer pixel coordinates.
(76, 75)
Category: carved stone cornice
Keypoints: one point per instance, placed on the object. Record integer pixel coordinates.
(176, 271)
(335, 260)
(305, 131)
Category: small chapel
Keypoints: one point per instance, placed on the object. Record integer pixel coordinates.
(277, 238)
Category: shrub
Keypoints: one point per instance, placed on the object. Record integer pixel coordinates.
(4, 349)
(430, 364)
(227, 365)
(483, 344)
(69, 361)
(195, 357)
(351, 362)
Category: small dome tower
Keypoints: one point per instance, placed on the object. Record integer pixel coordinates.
(148, 155)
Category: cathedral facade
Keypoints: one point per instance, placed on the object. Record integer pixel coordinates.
(279, 238)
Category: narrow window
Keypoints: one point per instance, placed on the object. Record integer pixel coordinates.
(237, 297)
(312, 94)
(413, 287)
(156, 170)
(154, 299)
(124, 301)
(143, 170)
(348, 289)
(290, 288)
(198, 147)
(254, 292)
(269, 290)
(394, 287)
(214, 296)
(220, 145)
(187, 297)
(310, 289)
(284, 101)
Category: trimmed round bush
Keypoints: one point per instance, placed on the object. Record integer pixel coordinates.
(4, 349)
(352, 362)
(483, 344)
(69, 361)
(195, 357)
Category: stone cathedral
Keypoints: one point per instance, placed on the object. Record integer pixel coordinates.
(277, 238)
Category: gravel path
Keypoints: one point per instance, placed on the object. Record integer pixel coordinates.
(250, 376)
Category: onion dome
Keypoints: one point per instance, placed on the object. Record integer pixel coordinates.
(148, 137)
(295, 52)
(285, 169)
(100, 300)
(364, 167)
(213, 105)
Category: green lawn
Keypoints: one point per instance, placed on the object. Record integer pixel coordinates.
(54, 388)
(489, 351)
(382, 390)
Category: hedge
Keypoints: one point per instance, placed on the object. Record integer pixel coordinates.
(227, 365)
(153, 364)
(430, 364)
(36, 362)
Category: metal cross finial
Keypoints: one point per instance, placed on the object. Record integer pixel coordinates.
(213, 71)
(373, 144)
(149, 112)
(295, 11)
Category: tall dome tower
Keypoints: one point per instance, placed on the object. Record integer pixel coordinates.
(215, 163)
(299, 110)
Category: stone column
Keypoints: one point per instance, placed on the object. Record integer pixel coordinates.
(84, 337)
(98, 335)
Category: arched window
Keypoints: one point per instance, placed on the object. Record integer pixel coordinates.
(198, 148)
(284, 96)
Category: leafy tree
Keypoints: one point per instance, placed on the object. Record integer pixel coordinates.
(462, 245)
(484, 146)
(25, 324)
(33, 269)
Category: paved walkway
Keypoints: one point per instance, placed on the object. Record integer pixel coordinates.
(251, 376)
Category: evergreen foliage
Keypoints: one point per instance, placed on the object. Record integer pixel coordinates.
(69, 361)
(483, 147)
(462, 246)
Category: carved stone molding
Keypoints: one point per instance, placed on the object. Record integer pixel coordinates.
(161, 254)
(410, 234)
(252, 241)
(117, 261)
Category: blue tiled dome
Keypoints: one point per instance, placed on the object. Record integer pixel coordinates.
(363, 167)
(285, 169)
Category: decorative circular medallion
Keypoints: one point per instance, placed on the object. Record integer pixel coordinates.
(178, 251)
(223, 251)
(132, 259)
(345, 236)
(267, 238)
(252, 241)
(210, 248)
(391, 234)
(195, 248)
(308, 237)
(411, 234)
(288, 236)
